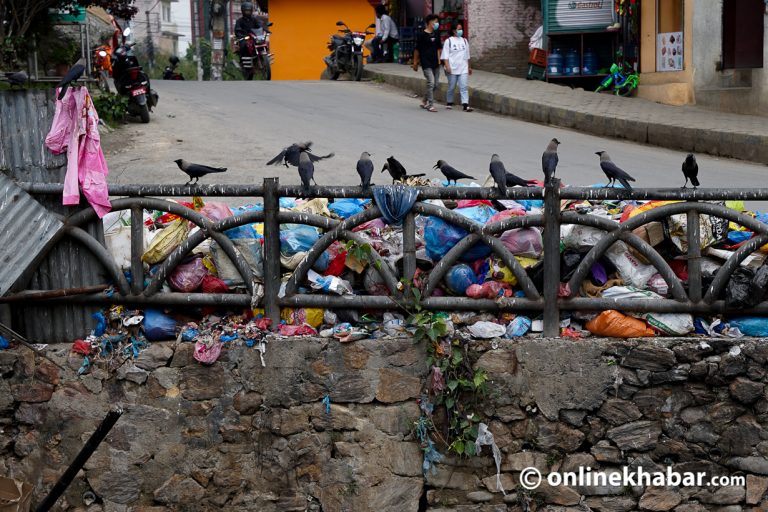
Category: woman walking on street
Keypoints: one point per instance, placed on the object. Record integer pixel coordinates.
(455, 58)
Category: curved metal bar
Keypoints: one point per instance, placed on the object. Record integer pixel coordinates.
(310, 219)
(148, 203)
(300, 273)
(173, 260)
(234, 256)
(101, 254)
(474, 229)
(522, 221)
(614, 233)
(731, 264)
(238, 220)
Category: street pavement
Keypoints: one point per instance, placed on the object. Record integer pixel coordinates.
(241, 125)
(686, 128)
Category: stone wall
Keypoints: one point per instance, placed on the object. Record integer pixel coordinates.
(239, 436)
(499, 33)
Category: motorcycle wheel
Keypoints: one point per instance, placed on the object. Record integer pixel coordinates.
(144, 113)
(335, 75)
(266, 67)
(358, 63)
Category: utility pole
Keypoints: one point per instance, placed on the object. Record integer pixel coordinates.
(150, 46)
(218, 22)
(198, 58)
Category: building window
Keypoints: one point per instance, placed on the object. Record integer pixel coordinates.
(166, 12)
(669, 35)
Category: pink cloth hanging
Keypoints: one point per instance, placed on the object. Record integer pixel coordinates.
(75, 130)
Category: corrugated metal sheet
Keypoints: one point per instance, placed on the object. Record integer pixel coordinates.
(576, 15)
(25, 119)
(27, 229)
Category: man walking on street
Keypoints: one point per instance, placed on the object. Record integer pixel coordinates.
(427, 53)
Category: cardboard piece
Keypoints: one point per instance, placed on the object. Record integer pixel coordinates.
(15, 495)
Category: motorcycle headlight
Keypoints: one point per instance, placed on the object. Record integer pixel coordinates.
(357, 40)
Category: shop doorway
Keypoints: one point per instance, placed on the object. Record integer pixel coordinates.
(743, 33)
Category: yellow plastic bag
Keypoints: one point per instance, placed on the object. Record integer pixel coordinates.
(309, 316)
(165, 242)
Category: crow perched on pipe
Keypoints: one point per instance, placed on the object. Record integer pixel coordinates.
(365, 169)
(74, 73)
(498, 173)
(549, 161)
(450, 173)
(196, 171)
(691, 171)
(19, 78)
(290, 154)
(306, 172)
(613, 172)
(513, 180)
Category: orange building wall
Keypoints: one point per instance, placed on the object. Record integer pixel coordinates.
(302, 29)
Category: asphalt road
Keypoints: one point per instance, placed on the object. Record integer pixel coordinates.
(241, 125)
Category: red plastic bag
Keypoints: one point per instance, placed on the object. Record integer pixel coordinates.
(212, 284)
(613, 324)
(81, 347)
(207, 354)
(296, 330)
(468, 203)
(187, 277)
(338, 260)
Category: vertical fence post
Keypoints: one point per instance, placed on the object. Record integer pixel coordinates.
(409, 246)
(694, 256)
(137, 249)
(271, 250)
(551, 258)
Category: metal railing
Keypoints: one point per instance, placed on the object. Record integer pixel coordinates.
(550, 300)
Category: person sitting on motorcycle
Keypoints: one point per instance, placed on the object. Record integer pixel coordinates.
(245, 24)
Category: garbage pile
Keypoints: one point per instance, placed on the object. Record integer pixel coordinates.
(347, 269)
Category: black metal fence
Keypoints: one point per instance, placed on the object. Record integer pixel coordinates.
(549, 298)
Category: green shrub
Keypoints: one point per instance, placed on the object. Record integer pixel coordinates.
(111, 107)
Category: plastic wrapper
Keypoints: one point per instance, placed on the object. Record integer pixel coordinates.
(658, 285)
(329, 284)
(296, 330)
(188, 276)
(207, 352)
(459, 278)
(216, 211)
(440, 236)
(166, 241)
(523, 242)
(158, 326)
(251, 251)
(519, 326)
(317, 206)
(296, 238)
(613, 324)
(309, 316)
(247, 231)
(751, 325)
(630, 269)
(577, 237)
(484, 329)
(711, 230)
(346, 208)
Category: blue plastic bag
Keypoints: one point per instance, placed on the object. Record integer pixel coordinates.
(530, 203)
(158, 326)
(459, 278)
(247, 230)
(518, 327)
(737, 237)
(189, 334)
(101, 323)
(4, 343)
(750, 325)
(440, 236)
(296, 238)
(346, 208)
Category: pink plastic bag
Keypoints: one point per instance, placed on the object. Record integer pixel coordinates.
(523, 242)
(216, 211)
(187, 277)
(207, 354)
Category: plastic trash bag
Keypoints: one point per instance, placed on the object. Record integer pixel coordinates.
(166, 241)
(518, 327)
(216, 211)
(295, 238)
(630, 269)
(213, 284)
(671, 324)
(395, 201)
(459, 278)
(246, 231)
(738, 291)
(750, 325)
(309, 316)
(523, 242)
(483, 329)
(346, 208)
(250, 249)
(207, 352)
(613, 324)
(4, 344)
(117, 236)
(578, 237)
(101, 323)
(440, 236)
(158, 326)
(188, 276)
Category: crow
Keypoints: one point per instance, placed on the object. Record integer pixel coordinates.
(19, 78)
(306, 172)
(691, 171)
(450, 173)
(549, 160)
(513, 180)
(613, 172)
(499, 173)
(365, 169)
(72, 75)
(395, 168)
(196, 171)
(290, 154)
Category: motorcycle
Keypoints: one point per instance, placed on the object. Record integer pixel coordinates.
(346, 52)
(624, 81)
(130, 80)
(170, 73)
(102, 66)
(257, 56)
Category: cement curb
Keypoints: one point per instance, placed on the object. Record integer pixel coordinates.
(724, 143)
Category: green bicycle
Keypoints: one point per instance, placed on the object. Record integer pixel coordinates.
(624, 82)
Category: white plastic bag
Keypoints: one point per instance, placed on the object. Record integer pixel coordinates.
(537, 39)
(671, 324)
(630, 269)
(484, 329)
(485, 438)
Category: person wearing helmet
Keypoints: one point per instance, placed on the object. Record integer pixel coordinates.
(246, 22)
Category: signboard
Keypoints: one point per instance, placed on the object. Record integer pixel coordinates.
(74, 15)
(669, 51)
(577, 15)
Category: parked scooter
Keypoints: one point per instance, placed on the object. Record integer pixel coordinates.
(131, 81)
(257, 56)
(102, 66)
(170, 73)
(346, 52)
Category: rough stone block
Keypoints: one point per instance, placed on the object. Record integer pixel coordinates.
(636, 436)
